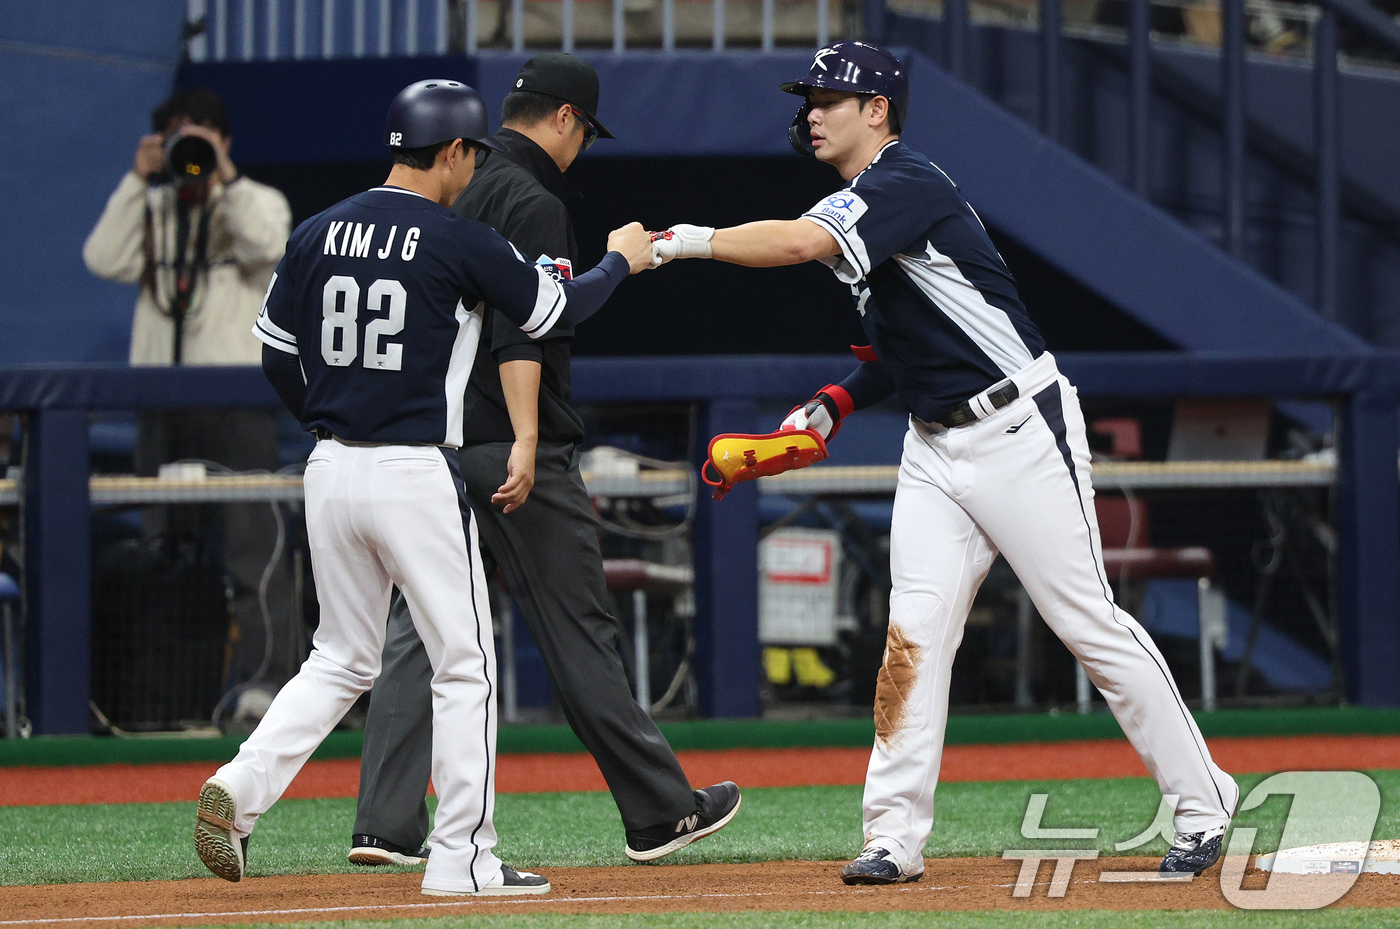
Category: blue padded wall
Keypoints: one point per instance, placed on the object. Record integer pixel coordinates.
(78, 81)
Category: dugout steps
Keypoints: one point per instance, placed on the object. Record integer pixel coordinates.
(722, 734)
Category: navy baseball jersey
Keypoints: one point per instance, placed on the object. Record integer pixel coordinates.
(935, 299)
(382, 296)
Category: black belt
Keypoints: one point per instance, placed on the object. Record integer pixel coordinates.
(964, 414)
(321, 432)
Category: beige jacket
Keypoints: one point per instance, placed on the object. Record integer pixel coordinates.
(248, 229)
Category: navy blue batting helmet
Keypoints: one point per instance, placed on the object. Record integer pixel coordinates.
(856, 67)
(439, 110)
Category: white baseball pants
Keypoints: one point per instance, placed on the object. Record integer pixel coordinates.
(1015, 482)
(376, 517)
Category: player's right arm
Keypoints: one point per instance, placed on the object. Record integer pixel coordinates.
(275, 328)
(768, 243)
(853, 230)
(532, 299)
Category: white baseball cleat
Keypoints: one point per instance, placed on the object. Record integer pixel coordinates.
(1193, 852)
(509, 882)
(221, 849)
(877, 865)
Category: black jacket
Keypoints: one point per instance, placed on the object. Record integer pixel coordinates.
(525, 198)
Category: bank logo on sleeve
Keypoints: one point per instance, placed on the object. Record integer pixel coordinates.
(846, 208)
(561, 269)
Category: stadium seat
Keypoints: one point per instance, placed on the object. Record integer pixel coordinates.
(640, 577)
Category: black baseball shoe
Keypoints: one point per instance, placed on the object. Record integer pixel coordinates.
(715, 807)
(221, 849)
(1194, 851)
(509, 882)
(370, 850)
(876, 865)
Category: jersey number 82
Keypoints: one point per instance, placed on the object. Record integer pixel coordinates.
(340, 310)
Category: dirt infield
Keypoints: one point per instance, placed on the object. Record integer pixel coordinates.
(765, 767)
(948, 884)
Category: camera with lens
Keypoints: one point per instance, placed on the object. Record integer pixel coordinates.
(189, 159)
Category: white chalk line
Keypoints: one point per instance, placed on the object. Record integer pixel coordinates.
(480, 901)
(487, 901)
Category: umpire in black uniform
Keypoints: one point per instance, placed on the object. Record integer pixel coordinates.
(521, 440)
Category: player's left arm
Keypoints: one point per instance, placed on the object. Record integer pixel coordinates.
(531, 298)
(866, 385)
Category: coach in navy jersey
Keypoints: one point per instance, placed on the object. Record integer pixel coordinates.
(370, 327)
(520, 466)
(995, 459)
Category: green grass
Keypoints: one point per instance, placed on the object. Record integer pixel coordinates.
(62, 844)
(803, 919)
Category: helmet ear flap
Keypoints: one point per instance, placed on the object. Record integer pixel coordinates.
(799, 133)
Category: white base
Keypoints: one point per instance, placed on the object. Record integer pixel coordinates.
(1379, 857)
(1146, 877)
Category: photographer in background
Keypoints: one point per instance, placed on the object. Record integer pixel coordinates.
(202, 241)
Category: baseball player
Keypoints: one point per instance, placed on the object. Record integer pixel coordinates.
(521, 433)
(370, 327)
(995, 459)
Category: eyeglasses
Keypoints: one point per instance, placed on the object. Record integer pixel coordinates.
(590, 132)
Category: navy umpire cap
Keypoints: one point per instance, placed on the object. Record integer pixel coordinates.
(435, 111)
(861, 68)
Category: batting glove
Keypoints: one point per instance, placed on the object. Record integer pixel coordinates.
(822, 414)
(680, 241)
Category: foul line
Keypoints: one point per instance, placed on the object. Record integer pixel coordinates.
(480, 901)
(490, 901)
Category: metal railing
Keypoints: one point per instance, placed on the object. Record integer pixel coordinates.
(56, 502)
(268, 30)
(1233, 122)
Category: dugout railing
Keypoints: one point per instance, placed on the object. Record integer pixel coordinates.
(55, 493)
(268, 30)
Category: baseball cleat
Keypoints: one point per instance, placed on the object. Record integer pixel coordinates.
(1194, 851)
(221, 849)
(371, 851)
(509, 882)
(716, 807)
(876, 865)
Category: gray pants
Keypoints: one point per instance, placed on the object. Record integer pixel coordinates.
(548, 551)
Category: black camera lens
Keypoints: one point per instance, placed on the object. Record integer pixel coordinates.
(189, 159)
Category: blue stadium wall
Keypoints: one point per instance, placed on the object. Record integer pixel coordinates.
(78, 80)
(701, 139)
